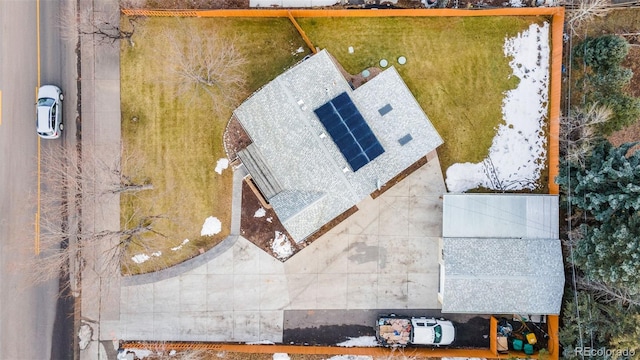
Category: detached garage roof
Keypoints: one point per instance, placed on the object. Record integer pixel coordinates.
(502, 254)
(320, 147)
(500, 216)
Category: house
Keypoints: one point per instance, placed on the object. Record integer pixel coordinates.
(501, 254)
(319, 147)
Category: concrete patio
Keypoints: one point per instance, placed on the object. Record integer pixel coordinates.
(383, 256)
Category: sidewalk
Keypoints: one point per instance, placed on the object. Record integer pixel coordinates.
(100, 131)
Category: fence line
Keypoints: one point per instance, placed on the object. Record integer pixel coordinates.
(557, 32)
(346, 12)
(302, 33)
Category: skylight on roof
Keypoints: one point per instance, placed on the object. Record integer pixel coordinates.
(405, 139)
(385, 110)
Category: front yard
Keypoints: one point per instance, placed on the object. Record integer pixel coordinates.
(177, 140)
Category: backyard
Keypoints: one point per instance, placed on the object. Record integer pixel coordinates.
(457, 69)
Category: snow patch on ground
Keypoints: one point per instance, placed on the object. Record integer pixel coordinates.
(516, 3)
(84, 334)
(281, 246)
(260, 213)
(362, 341)
(281, 356)
(261, 342)
(140, 258)
(270, 219)
(211, 226)
(518, 153)
(184, 242)
(221, 165)
(140, 353)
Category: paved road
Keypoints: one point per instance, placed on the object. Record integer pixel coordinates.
(26, 313)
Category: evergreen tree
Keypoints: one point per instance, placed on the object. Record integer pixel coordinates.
(610, 253)
(607, 189)
(584, 323)
(625, 108)
(590, 322)
(609, 183)
(604, 81)
(602, 52)
(628, 334)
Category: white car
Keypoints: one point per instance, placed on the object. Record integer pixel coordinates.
(431, 331)
(49, 112)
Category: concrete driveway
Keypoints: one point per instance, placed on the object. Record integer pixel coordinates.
(383, 256)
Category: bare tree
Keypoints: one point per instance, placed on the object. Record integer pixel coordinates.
(204, 63)
(106, 28)
(582, 11)
(578, 133)
(67, 186)
(608, 294)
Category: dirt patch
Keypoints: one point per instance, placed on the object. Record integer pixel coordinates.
(357, 80)
(261, 230)
(633, 62)
(235, 138)
(197, 4)
(260, 225)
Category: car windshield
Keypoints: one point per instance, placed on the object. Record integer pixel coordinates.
(437, 334)
(45, 102)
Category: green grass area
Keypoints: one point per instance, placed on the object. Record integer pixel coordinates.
(455, 68)
(175, 142)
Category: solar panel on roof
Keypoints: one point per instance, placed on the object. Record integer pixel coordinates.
(374, 151)
(353, 136)
(341, 100)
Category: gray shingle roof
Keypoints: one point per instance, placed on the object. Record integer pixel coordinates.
(503, 276)
(305, 161)
(502, 254)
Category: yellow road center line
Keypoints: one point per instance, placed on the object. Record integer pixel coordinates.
(37, 240)
(38, 37)
(37, 229)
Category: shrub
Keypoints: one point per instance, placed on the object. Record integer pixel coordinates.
(604, 81)
(602, 52)
(611, 80)
(625, 108)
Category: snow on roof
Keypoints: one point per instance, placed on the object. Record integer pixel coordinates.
(305, 163)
